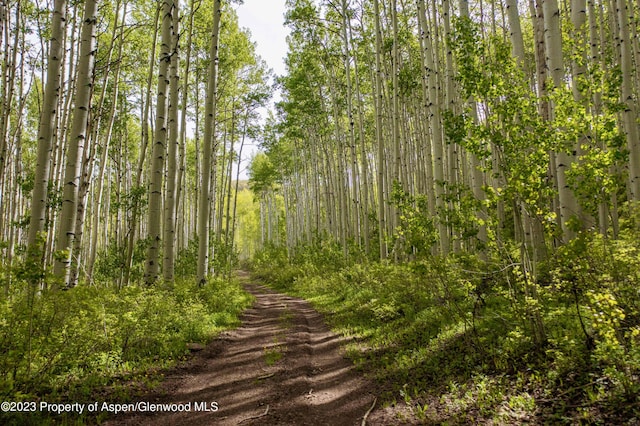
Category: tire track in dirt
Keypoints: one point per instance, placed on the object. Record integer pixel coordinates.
(281, 367)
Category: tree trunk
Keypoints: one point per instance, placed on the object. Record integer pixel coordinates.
(46, 134)
(629, 115)
(171, 201)
(100, 181)
(84, 83)
(553, 40)
(208, 152)
(144, 135)
(152, 264)
(380, 141)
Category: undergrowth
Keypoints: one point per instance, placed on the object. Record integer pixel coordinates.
(91, 342)
(460, 340)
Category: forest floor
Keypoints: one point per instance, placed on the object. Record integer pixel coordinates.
(281, 367)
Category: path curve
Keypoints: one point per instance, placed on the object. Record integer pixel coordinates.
(281, 367)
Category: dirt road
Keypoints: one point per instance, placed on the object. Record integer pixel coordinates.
(281, 367)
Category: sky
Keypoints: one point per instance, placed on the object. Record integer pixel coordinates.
(265, 20)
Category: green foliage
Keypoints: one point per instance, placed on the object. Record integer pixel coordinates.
(602, 276)
(270, 257)
(273, 354)
(263, 174)
(511, 124)
(416, 228)
(462, 211)
(111, 264)
(248, 224)
(187, 260)
(457, 335)
(603, 148)
(132, 202)
(64, 344)
(225, 256)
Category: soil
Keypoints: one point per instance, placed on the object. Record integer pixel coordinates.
(281, 367)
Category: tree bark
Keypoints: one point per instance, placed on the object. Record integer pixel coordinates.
(73, 170)
(629, 115)
(152, 264)
(171, 201)
(379, 139)
(46, 133)
(569, 207)
(208, 151)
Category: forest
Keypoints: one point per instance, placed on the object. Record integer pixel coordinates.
(454, 185)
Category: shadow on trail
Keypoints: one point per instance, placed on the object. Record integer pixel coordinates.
(281, 367)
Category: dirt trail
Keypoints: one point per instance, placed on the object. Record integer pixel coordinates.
(281, 367)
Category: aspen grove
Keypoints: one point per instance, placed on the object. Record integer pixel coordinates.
(455, 183)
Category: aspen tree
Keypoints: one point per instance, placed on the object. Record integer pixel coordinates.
(336, 159)
(450, 102)
(209, 146)
(75, 150)
(144, 136)
(100, 180)
(12, 101)
(228, 184)
(171, 192)
(395, 101)
(526, 223)
(595, 57)
(578, 67)
(629, 115)
(58, 142)
(6, 83)
(7, 80)
(379, 139)
(46, 131)
(235, 195)
(355, 175)
(63, 124)
(220, 188)
(578, 71)
(181, 179)
(533, 249)
(152, 264)
(429, 185)
(565, 157)
(435, 116)
(364, 192)
(477, 176)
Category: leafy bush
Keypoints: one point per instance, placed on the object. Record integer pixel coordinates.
(485, 336)
(602, 278)
(58, 341)
(111, 264)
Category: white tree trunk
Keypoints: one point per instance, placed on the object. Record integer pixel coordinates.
(629, 100)
(208, 152)
(169, 237)
(46, 131)
(553, 40)
(73, 170)
(152, 264)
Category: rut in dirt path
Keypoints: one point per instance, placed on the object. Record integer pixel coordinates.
(281, 367)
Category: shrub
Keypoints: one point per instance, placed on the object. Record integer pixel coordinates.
(56, 341)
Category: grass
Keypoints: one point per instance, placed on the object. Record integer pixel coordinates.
(273, 354)
(286, 318)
